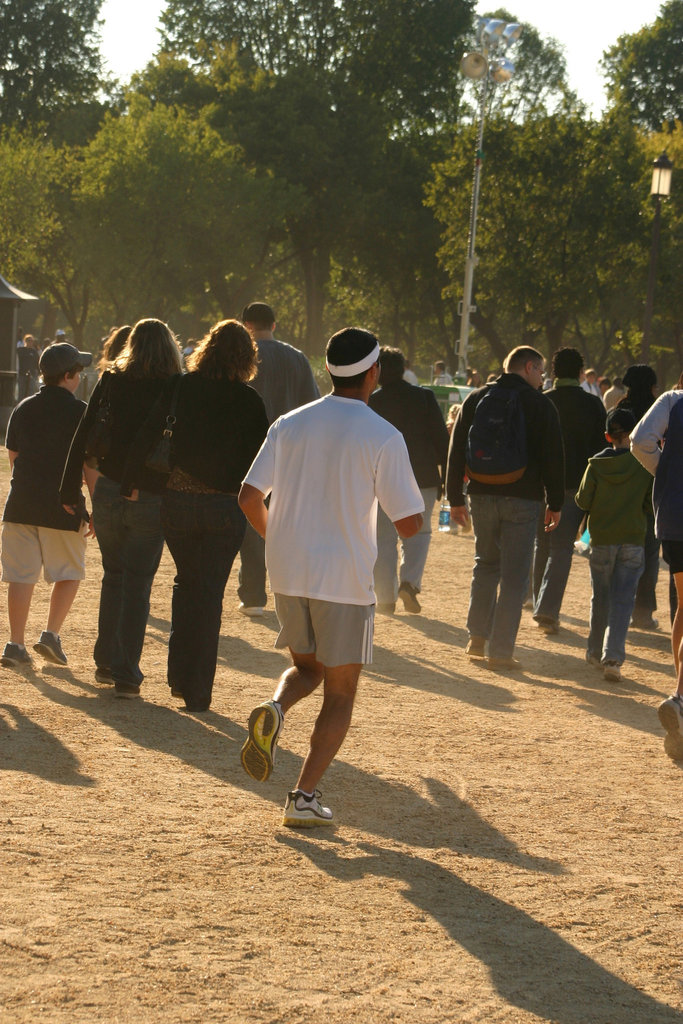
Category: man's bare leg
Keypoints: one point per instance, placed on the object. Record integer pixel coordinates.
(332, 724)
(299, 681)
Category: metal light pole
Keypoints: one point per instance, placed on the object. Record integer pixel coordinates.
(486, 66)
(660, 189)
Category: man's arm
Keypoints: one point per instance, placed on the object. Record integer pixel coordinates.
(252, 503)
(11, 456)
(409, 526)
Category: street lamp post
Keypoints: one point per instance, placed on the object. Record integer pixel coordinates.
(660, 189)
(488, 66)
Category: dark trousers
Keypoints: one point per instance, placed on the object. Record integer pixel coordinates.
(646, 597)
(252, 579)
(203, 533)
(130, 540)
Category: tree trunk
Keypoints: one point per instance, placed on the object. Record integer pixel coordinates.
(315, 265)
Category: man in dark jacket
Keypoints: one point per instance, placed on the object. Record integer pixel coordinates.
(582, 419)
(504, 515)
(415, 412)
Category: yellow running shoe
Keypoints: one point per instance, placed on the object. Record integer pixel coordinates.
(258, 752)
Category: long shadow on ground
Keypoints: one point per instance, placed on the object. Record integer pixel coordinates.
(531, 967)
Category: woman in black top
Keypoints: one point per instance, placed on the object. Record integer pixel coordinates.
(128, 533)
(220, 425)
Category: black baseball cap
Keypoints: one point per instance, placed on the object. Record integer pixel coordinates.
(60, 358)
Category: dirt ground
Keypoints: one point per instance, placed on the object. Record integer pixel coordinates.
(507, 850)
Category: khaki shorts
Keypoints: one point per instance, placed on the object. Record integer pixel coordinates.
(338, 634)
(27, 549)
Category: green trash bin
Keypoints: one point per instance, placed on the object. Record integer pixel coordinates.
(449, 394)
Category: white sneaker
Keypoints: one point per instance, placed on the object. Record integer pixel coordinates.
(670, 713)
(253, 611)
(612, 672)
(303, 811)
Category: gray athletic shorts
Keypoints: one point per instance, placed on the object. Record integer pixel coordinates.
(338, 634)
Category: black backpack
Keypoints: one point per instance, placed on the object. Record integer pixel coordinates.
(496, 451)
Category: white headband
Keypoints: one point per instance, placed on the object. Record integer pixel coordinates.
(350, 371)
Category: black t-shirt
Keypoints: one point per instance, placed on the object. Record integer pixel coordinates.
(40, 430)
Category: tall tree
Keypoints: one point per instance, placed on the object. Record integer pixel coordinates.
(173, 217)
(549, 258)
(49, 57)
(312, 90)
(645, 71)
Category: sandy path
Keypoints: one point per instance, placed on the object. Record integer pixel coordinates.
(507, 847)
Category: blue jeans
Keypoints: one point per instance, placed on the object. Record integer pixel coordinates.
(130, 539)
(203, 533)
(504, 530)
(414, 552)
(553, 559)
(615, 571)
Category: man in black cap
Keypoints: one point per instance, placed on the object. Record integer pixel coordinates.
(284, 381)
(36, 531)
(327, 466)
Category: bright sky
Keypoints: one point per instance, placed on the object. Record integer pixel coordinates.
(585, 28)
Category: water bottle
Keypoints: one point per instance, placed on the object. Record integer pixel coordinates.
(444, 517)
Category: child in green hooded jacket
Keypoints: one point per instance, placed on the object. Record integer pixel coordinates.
(615, 493)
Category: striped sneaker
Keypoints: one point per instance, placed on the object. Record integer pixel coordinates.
(303, 811)
(258, 752)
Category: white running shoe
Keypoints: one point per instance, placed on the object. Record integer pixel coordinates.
(251, 611)
(303, 811)
(670, 713)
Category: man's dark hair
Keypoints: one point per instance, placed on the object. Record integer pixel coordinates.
(567, 362)
(260, 314)
(519, 357)
(347, 347)
(392, 365)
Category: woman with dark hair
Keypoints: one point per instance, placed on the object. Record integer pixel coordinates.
(657, 442)
(128, 533)
(114, 344)
(220, 424)
(640, 382)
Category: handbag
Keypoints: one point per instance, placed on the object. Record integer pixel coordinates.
(98, 441)
(159, 458)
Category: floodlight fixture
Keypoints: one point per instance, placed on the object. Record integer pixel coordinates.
(502, 70)
(474, 65)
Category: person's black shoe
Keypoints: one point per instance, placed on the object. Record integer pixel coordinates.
(126, 690)
(50, 646)
(408, 594)
(15, 656)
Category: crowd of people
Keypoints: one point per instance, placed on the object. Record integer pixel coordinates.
(226, 447)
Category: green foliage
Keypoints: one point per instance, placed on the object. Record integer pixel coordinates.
(174, 216)
(553, 260)
(645, 71)
(49, 58)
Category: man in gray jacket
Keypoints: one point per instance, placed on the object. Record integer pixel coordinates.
(284, 381)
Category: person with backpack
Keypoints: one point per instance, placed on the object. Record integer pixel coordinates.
(507, 443)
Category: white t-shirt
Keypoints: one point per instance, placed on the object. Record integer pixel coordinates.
(327, 464)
